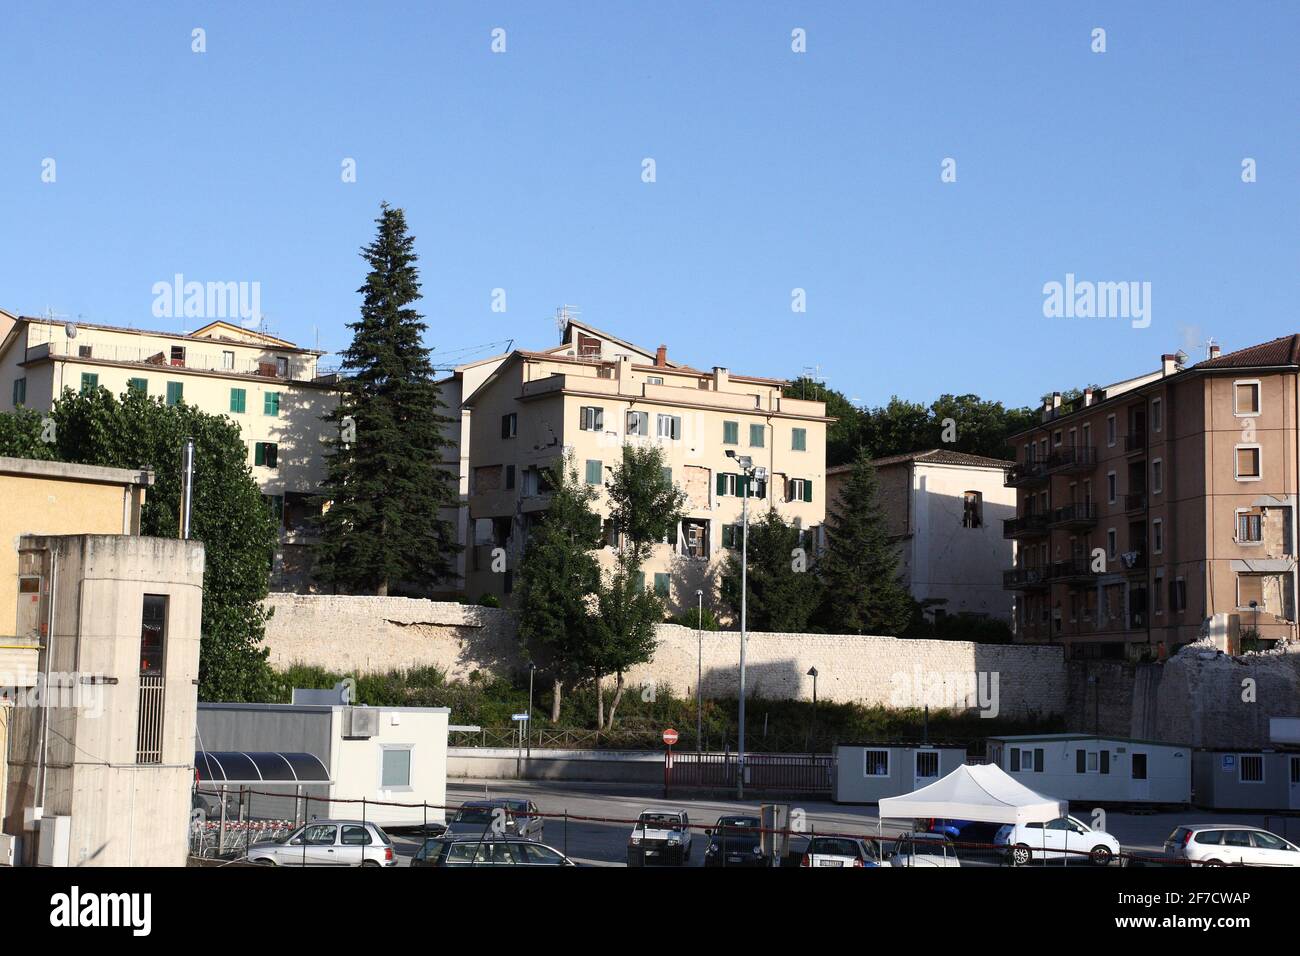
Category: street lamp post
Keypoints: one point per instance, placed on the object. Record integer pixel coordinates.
(746, 464)
(812, 672)
(699, 671)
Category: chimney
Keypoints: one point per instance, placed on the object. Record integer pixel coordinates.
(661, 357)
(1214, 350)
(1087, 396)
(1056, 400)
(720, 378)
(1168, 364)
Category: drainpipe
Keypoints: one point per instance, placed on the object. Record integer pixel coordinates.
(42, 762)
(187, 487)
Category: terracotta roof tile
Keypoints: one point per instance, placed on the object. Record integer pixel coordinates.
(1280, 351)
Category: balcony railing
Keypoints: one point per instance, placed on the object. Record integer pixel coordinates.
(1024, 579)
(1135, 441)
(1071, 569)
(149, 735)
(1070, 458)
(294, 368)
(1024, 473)
(1024, 526)
(1135, 501)
(1075, 514)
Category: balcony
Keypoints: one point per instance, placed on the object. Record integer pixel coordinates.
(1024, 579)
(1069, 459)
(1025, 473)
(1135, 501)
(1135, 442)
(1025, 526)
(1072, 569)
(1078, 514)
(1133, 561)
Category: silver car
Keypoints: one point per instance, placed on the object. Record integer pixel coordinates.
(487, 851)
(328, 843)
(507, 816)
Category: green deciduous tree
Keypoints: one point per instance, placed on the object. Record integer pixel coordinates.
(783, 591)
(383, 528)
(859, 568)
(228, 513)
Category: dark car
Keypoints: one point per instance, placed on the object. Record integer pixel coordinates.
(735, 841)
(505, 817)
(967, 831)
(452, 851)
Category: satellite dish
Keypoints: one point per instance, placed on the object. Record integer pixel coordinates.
(70, 330)
(1180, 357)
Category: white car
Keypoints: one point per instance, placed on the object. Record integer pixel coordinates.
(1066, 837)
(328, 843)
(1220, 844)
(660, 838)
(923, 849)
(838, 852)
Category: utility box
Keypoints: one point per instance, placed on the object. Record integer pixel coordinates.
(55, 836)
(10, 848)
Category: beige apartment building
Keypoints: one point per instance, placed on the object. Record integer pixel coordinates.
(271, 388)
(592, 394)
(1161, 508)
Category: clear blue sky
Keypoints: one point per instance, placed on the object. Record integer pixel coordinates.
(775, 170)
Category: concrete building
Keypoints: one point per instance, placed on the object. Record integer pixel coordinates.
(867, 772)
(1162, 507)
(100, 753)
(589, 396)
(944, 512)
(1259, 779)
(383, 755)
(1102, 769)
(271, 388)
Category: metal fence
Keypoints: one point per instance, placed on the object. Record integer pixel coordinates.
(148, 748)
(786, 773)
(639, 739)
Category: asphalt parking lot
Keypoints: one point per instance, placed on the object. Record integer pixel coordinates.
(599, 843)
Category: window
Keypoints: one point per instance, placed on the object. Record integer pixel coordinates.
(175, 393)
(972, 510)
(591, 419)
(875, 763)
(1087, 434)
(271, 404)
(178, 356)
(1250, 768)
(638, 423)
(927, 764)
(1112, 546)
(238, 399)
(799, 439)
(654, 379)
(89, 382)
(1248, 463)
(1158, 536)
(1015, 759)
(355, 835)
(668, 474)
(661, 584)
(265, 453)
(1110, 430)
(595, 471)
(228, 361)
(1250, 588)
(1110, 487)
(1039, 757)
(395, 767)
(20, 391)
(1178, 595)
(800, 489)
(639, 580)
(510, 425)
(1157, 476)
(275, 505)
(731, 536)
(281, 366)
(1157, 414)
(731, 433)
(1250, 526)
(153, 633)
(756, 435)
(1245, 398)
(153, 657)
(85, 351)
(1080, 761)
(510, 477)
(1157, 593)
(668, 426)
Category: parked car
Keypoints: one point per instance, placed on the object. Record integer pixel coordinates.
(487, 850)
(966, 831)
(328, 843)
(1067, 837)
(660, 838)
(839, 851)
(923, 849)
(1220, 844)
(503, 817)
(735, 841)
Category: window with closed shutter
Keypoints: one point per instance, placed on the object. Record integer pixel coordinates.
(756, 433)
(237, 400)
(595, 471)
(271, 404)
(731, 433)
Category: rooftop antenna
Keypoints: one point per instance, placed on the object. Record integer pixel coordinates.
(811, 373)
(1209, 343)
(563, 316)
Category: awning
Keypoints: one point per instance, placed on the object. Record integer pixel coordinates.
(240, 769)
(984, 793)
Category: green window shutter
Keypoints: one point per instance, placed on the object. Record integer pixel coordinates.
(237, 399)
(661, 585)
(89, 381)
(272, 450)
(639, 579)
(594, 471)
(259, 453)
(731, 433)
(271, 404)
(175, 392)
(137, 386)
(799, 439)
(668, 475)
(722, 484)
(756, 436)
(807, 489)
(742, 486)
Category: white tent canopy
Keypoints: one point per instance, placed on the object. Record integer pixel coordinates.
(984, 793)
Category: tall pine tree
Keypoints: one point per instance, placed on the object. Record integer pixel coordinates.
(382, 529)
(859, 568)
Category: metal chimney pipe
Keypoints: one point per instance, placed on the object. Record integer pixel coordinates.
(187, 487)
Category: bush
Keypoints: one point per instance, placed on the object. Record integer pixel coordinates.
(708, 621)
